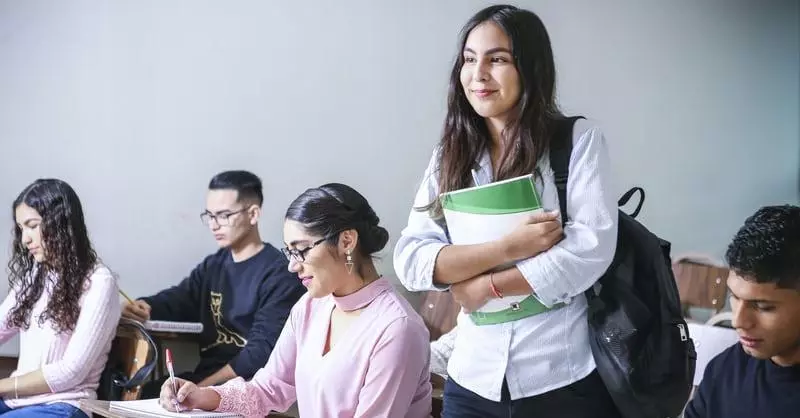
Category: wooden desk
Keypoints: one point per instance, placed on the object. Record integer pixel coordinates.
(103, 409)
(159, 337)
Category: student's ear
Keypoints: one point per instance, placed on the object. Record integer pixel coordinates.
(254, 214)
(348, 240)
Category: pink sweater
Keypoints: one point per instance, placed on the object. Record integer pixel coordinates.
(378, 368)
(71, 362)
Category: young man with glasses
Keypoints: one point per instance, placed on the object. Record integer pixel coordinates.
(242, 294)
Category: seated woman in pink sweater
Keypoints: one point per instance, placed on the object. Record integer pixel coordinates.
(352, 346)
(62, 302)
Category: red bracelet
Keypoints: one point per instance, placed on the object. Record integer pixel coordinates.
(495, 292)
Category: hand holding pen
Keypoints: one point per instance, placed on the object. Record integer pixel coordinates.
(171, 370)
(182, 395)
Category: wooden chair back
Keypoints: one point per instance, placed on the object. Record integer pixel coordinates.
(701, 283)
(130, 351)
(439, 311)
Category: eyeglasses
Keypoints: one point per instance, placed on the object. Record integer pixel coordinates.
(300, 255)
(222, 219)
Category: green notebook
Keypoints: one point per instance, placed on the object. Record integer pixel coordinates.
(499, 198)
(488, 212)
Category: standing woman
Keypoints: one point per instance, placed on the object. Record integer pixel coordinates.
(500, 122)
(62, 302)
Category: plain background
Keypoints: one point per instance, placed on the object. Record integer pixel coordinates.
(138, 104)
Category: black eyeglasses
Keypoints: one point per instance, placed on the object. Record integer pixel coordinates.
(222, 219)
(300, 255)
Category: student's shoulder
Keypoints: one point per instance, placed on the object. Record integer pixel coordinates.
(272, 255)
(217, 257)
(586, 129)
(432, 169)
(101, 278)
(732, 361)
(397, 310)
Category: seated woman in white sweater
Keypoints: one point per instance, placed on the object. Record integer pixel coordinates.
(62, 302)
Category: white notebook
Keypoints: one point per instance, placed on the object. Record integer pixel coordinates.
(485, 213)
(151, 407)
(172, 326)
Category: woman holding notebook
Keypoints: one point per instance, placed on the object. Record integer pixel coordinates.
(529, 357)
(352, 347)
(62, 302)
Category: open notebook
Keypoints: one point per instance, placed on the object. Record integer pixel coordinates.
(172, 326)
(150, 407)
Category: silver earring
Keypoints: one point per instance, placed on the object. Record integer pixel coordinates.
(349, 263)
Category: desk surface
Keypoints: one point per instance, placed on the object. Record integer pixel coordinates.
(709, 341)
(103, 409)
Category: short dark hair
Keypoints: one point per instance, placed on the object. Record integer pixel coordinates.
(335, 207)
(247, 184)
(767, 247)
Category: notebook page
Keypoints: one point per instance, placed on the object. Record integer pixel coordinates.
(151, 407)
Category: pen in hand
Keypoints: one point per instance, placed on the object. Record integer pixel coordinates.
(126, 296)
(172, 377)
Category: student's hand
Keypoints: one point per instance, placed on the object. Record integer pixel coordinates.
(138, 310)
(472, 294)
(537, 234)
(189, 396)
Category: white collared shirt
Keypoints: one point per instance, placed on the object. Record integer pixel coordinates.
(546, 351)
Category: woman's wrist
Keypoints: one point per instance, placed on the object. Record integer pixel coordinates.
(494, 291)
(7, 388)
(209, 399)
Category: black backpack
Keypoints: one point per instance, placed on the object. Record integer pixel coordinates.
(640, 340)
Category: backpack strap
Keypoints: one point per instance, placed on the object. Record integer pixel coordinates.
(627, 197)
(560, 152)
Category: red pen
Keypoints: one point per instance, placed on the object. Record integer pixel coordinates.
(171, 371)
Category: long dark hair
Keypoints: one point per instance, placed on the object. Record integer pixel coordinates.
(70, 257)
(334, 207)
(529, 127)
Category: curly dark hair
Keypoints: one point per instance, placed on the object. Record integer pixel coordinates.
(69, 256)
(767, 248)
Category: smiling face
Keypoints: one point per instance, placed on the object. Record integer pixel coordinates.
(316, 262)
(766, 318)
(489, 77)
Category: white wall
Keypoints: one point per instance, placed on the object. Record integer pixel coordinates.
(138, 104)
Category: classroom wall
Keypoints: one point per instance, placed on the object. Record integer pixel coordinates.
(138, 104)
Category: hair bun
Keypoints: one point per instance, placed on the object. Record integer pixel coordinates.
(376, 240)
(334, 207)
(369, 215)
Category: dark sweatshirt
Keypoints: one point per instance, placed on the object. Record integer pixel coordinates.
(737, 385)
(243, 307)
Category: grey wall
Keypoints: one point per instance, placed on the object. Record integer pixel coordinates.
(138, 104)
